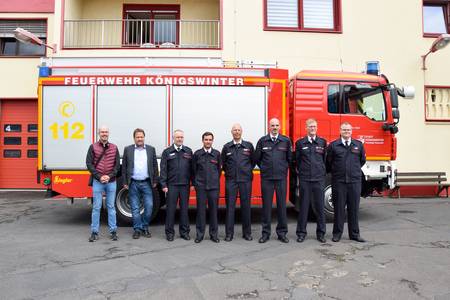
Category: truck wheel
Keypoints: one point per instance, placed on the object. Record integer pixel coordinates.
(328, 202)
(123, 207)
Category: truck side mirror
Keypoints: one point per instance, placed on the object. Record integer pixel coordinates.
(408, 92)
(395, 114)
(394, 97)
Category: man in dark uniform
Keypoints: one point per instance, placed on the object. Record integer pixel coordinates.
(237, 159)
(273, 155)
(310, 159)
(207, 167)
(176, 168)
(345, 157)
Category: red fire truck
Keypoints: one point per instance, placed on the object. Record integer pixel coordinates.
(77, 95)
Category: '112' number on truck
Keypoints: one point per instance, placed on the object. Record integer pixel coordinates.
(76, 130)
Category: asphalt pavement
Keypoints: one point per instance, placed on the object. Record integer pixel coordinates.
(45, 254)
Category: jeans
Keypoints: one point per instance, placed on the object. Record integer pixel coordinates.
(140, 190)
(98, 189)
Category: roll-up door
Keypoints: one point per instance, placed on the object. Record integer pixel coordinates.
(66, 126)
(197, 109)
(125, 108)
(18, 144)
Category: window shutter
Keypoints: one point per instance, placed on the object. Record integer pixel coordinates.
(282, 13)
(37, 27)
(318, 14)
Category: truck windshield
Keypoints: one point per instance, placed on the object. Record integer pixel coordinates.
(364, 100)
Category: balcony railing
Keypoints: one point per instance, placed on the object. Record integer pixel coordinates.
(158, 33)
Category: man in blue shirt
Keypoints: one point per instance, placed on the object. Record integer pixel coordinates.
(140, 170)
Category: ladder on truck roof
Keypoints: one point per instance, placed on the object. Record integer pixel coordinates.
(92, 66)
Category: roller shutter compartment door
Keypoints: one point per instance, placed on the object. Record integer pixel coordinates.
(18, 144)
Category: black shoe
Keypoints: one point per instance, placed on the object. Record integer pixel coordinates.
(301, 238)
(114, 236)
(185, 237)
(228, 238)
(283, 239)
(198, 240)
(146, 233)
(336, 238)
(358, 239)
(136, 234)
(93, 237)
(214, 239)
(169, 238)
(248, 237)
(321, 239)
(263, 239)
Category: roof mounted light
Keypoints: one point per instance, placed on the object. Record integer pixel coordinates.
(373, 67)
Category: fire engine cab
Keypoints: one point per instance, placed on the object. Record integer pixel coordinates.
(369, 102)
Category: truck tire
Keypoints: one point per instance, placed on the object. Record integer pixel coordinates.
(123, 208)
(328, 202)
(328, 207)
(328, 199)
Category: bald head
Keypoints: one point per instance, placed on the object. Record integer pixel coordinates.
(274, 126)
(103, 128)
(236, 131)
(103, 133)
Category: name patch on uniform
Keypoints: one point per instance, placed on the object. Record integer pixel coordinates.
(304, 148)
(267, 148)
(172, 154)
(229, 153)
(214, 161)
(188, 156)
(355, 150)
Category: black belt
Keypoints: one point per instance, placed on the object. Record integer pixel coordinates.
(144, 180)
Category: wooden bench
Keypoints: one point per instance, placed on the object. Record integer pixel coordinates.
(438, 179)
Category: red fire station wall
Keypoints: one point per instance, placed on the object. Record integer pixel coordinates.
(18, 144)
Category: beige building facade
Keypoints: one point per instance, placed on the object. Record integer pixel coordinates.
(296, 35)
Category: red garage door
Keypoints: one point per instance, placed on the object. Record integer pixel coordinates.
(18, 144)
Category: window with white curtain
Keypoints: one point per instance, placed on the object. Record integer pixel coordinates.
(318, 14)
(282, 13)
(303, 15)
